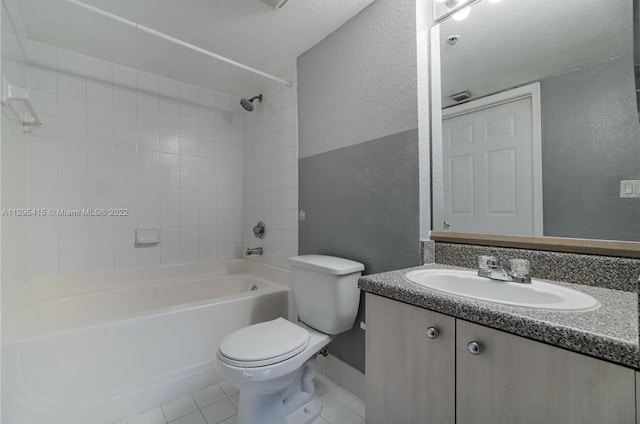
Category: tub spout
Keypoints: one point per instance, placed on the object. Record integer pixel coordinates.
(254, 251)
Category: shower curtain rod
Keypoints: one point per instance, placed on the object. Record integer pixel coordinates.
(178, 41)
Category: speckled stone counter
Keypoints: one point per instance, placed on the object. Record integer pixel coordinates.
(610, 332)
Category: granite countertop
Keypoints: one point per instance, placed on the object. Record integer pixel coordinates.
(609, 332)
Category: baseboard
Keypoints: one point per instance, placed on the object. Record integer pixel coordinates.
(342, 373)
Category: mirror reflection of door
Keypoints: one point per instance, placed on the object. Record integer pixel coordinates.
(492, 164)
(581, 54)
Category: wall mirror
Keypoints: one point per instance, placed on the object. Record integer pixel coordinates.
(535, 121)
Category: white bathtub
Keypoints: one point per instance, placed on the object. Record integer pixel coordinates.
(97, 348)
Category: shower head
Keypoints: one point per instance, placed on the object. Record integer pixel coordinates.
(248, 104)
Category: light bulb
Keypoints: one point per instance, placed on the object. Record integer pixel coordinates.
(462, 14)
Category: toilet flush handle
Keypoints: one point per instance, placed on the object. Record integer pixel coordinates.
(247, 374)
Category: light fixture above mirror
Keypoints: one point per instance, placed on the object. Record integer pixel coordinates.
(459, 10)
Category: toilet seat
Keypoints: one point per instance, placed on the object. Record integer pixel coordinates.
(263, 344)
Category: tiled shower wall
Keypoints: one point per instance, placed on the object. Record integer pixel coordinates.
(13, 174)
(168, 153)
(271, 173)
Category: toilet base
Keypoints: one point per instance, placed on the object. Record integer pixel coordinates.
(306, 414)
(296, 403)
(268, 410)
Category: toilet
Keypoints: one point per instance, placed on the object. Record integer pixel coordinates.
(273, 363)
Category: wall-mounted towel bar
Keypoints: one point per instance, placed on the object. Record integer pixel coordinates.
(16, 99)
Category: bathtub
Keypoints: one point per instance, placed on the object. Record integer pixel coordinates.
(97, 348)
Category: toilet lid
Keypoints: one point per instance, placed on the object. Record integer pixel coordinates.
(264, 344)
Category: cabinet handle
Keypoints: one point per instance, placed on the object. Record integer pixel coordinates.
(432, 332)
(474, 348)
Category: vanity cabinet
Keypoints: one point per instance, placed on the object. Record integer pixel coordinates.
(511, 379)
(470, 374)
(638, 397)
(410, 377)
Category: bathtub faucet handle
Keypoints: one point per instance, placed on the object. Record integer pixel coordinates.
(254, 251)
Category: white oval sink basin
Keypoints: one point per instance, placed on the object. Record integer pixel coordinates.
(537, 295)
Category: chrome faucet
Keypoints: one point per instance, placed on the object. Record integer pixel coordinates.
(254, 251)
(494, 269)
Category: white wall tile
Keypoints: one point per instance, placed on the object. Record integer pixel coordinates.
(113, 139)
(169, 162)
(270, 172)
(148, 102)
(99, 112)
(125, 178)
(43, 79)
(42, 54)
(99, 91)
(148, 140)
(125, 117)
(43, 148)
(73, 263)
(189, 164)
(100, 154)
(44, 101)
(72, 62)
(169, 88)
(170, 254)
(42, 172)
(124, 136)
(126, 258)
(124, 76)
(100, 260)
(99, 69)
(72, 85)
(72, 107)
(123, 96)
(149, 256)
(98, 132)
(147, 82)
(125, 156)
(72, 174)
(41, 265)
(72, 129)
(188, 93)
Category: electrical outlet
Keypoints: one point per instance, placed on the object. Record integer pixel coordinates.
(630, 189)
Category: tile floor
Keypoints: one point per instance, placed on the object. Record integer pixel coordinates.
(218, 404)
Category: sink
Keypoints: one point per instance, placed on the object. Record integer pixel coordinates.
(537, 295)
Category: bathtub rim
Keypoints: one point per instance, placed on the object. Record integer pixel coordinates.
(276, 280)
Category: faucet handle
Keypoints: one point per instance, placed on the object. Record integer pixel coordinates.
(485, 261)
(520, 267)
(520, 270)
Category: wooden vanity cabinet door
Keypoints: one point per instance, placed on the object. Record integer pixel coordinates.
(516, 380)
(409, 377)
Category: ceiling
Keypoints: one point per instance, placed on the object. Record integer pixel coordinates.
(518, 41)
(246, 31)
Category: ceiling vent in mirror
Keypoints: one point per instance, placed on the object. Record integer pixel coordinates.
(462, 96)
(276, 4)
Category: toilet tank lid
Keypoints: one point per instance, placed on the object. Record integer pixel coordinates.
(326, 264)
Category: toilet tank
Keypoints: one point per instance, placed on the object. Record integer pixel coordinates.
(325, 291)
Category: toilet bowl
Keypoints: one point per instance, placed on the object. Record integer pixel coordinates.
(273, 363)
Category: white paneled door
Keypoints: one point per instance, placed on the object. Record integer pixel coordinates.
(492, 169)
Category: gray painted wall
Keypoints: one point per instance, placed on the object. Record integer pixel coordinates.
(360, 83)
(355, 87)
(591, 141)
(362, 204)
